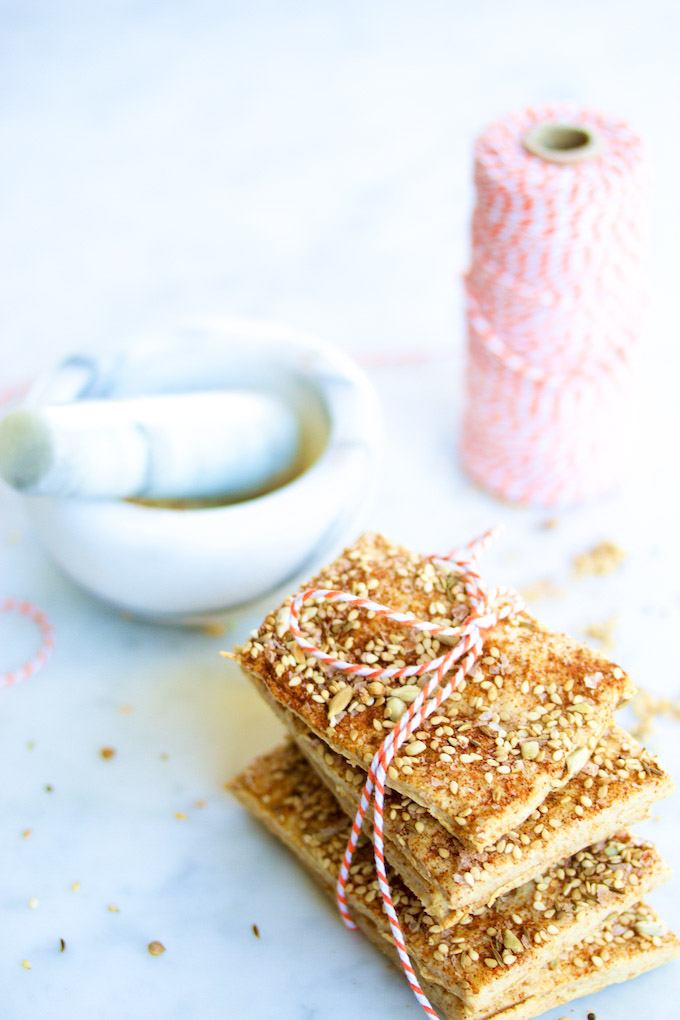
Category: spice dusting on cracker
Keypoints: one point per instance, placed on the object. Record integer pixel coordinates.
(603, 558)
(529, 684)
(506, 845)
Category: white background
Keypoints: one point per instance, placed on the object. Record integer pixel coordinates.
(311, 163)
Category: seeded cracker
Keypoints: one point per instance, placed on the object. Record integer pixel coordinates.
(472, 970)
(615, 788)
(530, 716)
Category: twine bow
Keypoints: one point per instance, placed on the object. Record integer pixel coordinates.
(485, 612)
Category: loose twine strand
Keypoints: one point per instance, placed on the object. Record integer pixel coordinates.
(8, 396)
(555, 304)
(487, 608)
(31, 612)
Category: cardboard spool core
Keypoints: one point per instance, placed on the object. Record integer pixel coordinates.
(563, 143)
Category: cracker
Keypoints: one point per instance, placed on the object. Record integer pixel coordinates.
(615, 788)
(626, 953)
(486, 955)
(523, 724)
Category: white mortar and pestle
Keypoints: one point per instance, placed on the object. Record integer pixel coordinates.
(195, 474)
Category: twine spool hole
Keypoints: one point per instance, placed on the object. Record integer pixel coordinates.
(562, 143)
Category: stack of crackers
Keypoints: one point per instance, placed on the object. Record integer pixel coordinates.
(516, 879)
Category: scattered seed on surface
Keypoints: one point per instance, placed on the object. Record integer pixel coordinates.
(256, 931)
(75, 887)
(180, 815)
(62, 945)
(33, 902)
(157, 948)
(107, 753)
(25, 964)
(113, 908)
(26, 833)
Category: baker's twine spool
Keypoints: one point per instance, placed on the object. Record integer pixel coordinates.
(555, 304)
(487, 608)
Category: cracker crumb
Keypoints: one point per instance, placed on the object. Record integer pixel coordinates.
(541, 588)
(603, 631)
(647, 708)
(603, 558)
(213, 628)
(156, 948)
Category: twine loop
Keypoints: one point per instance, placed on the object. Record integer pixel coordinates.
(30, 667)
(487, 608)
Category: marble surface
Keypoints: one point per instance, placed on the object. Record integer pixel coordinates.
(308, 163)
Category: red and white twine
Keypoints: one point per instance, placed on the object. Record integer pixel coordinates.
(555, 303)
(487, 608)
(8, 396)
(30, 667)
